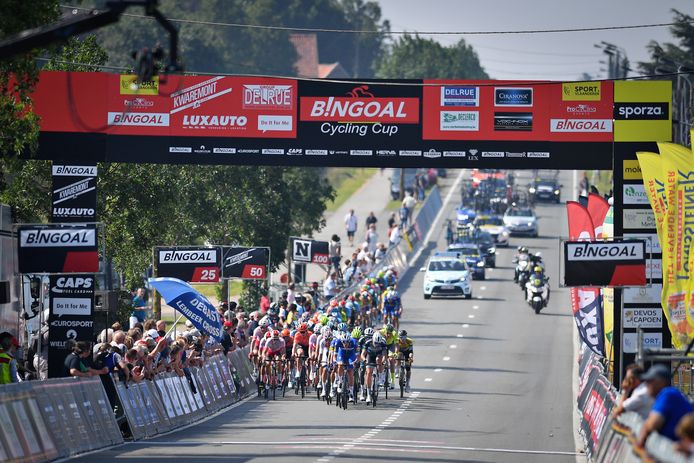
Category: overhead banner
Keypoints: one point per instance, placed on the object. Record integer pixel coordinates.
(309, 251)
(605, 263)
(53, 248)
(192, 264)
(74, 193)
(275, 121)
(71, 302)
(245, 263)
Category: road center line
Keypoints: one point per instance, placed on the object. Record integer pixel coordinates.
(446, 359)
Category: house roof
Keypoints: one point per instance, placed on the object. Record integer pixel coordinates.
(306, 46)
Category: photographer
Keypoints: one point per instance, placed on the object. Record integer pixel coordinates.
(78, 364)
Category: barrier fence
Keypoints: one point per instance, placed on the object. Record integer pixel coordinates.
(609, 439)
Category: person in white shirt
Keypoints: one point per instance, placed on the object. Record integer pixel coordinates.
(330, 286)
(635, 396)
(351, 222)
(372, 238)
(409, 203)
(394, 236)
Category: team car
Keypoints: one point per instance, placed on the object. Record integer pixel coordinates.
(483, 240)
(447, 274)
(545, 190)
(494, 225)
(465, 216)
(474, 258)
(521, 221)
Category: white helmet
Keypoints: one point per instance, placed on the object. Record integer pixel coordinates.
(264, 322)
(369, 332)
(378, 338)
(326, 331)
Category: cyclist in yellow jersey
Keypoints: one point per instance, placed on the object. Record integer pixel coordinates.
(391, 338)
(406, 348)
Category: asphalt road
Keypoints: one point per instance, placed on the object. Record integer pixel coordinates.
(492, 382)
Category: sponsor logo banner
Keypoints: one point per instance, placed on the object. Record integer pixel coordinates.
(309, 251)
(638, 218)
(350, 109)
(651, 239)
(268, 97)
(180, 149)
(493, 154)
(138, 119)
(537, 154)
(581, 125)
(74, 193)
(619, 251)
(460, 120)
(195, 95)
(57, 238)
(460, 95)
(432, 153)
(581, 91)
(410, 152)
(454, 154)
(214, 121)
(631, 170)
(598, 263)
(60, 170)
(224, 150)
(643, 318)
(641, 111)
(130, 86)
(654, 268)
(513, 96)
(246, 263)
(504, 121)
(634, 194)
(191, 264)
(643, 295)
(650, 341)
(582, 110)
(268, 123)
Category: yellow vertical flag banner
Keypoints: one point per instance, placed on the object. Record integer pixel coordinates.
(654, 181)
(608, 293)
(678, 228)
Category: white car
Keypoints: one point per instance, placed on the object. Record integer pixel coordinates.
(521, 221)
(447, 274)
(494, 225)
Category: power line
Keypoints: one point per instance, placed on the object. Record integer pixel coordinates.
(536, 63)
(539, 53)
(378, 32)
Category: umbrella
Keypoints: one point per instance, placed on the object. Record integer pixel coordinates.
(189, 302)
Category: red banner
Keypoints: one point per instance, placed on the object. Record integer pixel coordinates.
(597, 209)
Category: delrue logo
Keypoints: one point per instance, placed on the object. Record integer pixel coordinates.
(195, 95)
(203, 256)
(581, 125)
(74, 171)
(522, 122)
(130, 86)
(57, 238)
(513, 96)
(268, 97)
(360, 106)
(581, 91)
(222, 122)
(462, 121)
(641, 111)
(460, 95)
(139, 119)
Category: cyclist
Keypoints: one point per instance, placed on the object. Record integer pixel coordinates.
(391, 337)
(406, 352)
(392, 307)
(372, 353)
(365, 304)
(300, 348)
(324, 348)
(273, 350)
(345, 349)
(313, 352)
(258, 335)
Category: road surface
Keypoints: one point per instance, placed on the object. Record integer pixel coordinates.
(492, 382)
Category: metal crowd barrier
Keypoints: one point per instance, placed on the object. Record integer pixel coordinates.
(44, 420)
(169, 401)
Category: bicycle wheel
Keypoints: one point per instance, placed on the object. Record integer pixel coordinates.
(401, 380)
(386, 384)
(374, 391)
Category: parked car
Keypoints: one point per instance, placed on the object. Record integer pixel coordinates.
(447, 274)
(521, 221)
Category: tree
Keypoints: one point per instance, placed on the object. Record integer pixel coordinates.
(681, 52)
(412, 57)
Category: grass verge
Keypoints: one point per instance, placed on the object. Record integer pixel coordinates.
(346, 182)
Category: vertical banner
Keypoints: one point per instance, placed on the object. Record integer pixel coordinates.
(71, 301)
(585, 302)
(597, 209)
(74, 193)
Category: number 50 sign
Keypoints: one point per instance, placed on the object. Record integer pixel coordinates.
(245, 263)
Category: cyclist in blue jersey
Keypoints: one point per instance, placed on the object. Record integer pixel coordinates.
(345, 354)
(392, 307)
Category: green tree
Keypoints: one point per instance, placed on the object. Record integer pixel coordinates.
(412, 57)
(681, 52)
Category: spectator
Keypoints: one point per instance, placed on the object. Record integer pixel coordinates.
(291, 294)
(313, 292)
(116, 327)
(351, 222)
(135, 372)
(669, 407)
(119, 341)
(685, 433)
(408, 203)
(372, 238)
(264, 303)
(231, 312)
(149, 324)
(252, 324)
(330, 286)
(335, 252)
(8, 364)
(371, 219)
(394, 236)
(380, 252)
(105, 337)
(226, 337)
(78, 364)
(139, 305)
(635, 396)
(391, 220)
(160, 326)
(348, 272)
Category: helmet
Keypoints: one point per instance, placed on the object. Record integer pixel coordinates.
(538, 255)
(303, 328)
(381, 274)
(345, 336)
(356, 333)
(378, 338)
(323, 320)
(268, 335)
(275, 334)
(373, 281)
(310, 325)
(402, 334)
(364, 288)
(333, 303)
(264, 322)
(537, 269)
(369, 331)
(520, 248)
(342, 303)
(342, 327)
(285, 333)
(523, 249)
(392, 295)
(364, 294)
(389, 327)
(326, 331)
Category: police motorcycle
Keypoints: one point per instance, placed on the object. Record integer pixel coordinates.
(537, 292)
(522, 261)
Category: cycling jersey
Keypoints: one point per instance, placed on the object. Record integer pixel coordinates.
(303, 339)
(313, 340)
(288, 345)
(391, 339)
(346, 351)
(373, 351)
(275, 347)
(406, 345)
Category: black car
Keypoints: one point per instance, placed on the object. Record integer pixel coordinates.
(545, 190)
(484, 241)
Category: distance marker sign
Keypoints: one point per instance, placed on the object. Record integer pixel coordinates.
(191, 264)
(245, 263)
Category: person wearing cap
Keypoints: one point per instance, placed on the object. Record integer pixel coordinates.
(635, 396)
(669, 407)
(227, 342)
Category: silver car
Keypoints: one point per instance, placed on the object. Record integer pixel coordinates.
(521, 221)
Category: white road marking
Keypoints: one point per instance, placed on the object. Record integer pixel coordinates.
(459, 336)
(446, 359)
(465, 325)
(437, 370)
(470, 316)
(427, 380)
(483, 288)
(453, 346)
(475, 307)
(480, 297)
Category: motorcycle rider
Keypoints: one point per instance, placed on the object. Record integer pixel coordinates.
(522, 256)
(538, 274)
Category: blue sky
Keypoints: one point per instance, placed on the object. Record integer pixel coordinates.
(540, 56)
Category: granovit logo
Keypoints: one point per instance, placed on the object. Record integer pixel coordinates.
(57, 238)
(74, 171)
(195, 95)
(139, 119)
(642, 111)
(207, 256)
(268, 97)
(213, 122)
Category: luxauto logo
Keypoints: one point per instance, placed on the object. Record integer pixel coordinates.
(360, 106)
(57, 238)
(221, 122)
(642, 111)
(460, 95)
(268, 97)
(206, 256)
(513, 96)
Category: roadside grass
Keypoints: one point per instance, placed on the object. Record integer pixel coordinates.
(346, 182)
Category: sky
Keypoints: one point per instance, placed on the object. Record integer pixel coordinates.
(562, 56)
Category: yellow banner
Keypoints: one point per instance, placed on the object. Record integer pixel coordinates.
(129, 85)
(678, 229)
(643, 111)
(654, 184)
(581, 91)
(631, 170)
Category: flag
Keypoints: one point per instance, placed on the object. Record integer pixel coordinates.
(597, 209)
(586, 302)
(189, 302)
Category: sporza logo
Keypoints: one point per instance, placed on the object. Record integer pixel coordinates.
(641, 111)
(513, 96)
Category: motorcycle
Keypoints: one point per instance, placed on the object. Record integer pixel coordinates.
(522, 262)
(537, 294)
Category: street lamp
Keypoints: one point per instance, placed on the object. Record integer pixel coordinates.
(684, 90)
(618, 64)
